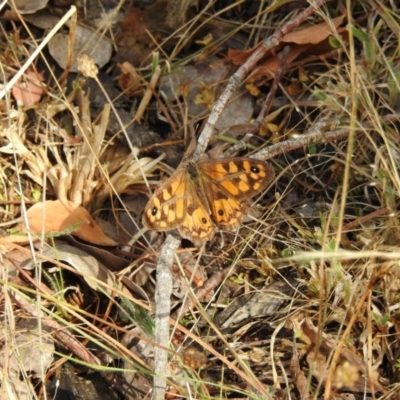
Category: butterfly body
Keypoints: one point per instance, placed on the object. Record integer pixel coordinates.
(201, 195)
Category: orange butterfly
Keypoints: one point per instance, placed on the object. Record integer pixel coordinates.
(200, 195)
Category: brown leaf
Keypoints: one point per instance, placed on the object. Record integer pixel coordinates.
(91, 269)
(135, 44)
(61, 217)
(239, 57)
(29, 6)
(313, 34)
(85, 41)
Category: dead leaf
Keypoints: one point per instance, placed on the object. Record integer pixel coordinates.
(83, 262)
(199, 84)
(111, 261)
(129, 80)
(31, 351)
(60, 217)
(268, 68)
(14, 257)
(350, 364)
(253, 305)
(314, 34)
(135, 44)
(42, 21)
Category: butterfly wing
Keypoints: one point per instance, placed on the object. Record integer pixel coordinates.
(197, 225)
(176, 204)
(229, 183)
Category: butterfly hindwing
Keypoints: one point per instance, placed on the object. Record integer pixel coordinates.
(197, 225)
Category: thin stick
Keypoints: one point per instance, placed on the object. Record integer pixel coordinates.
(162, 311)
(316, 135)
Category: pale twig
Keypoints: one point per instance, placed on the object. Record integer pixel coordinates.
(162, 311)
(148, 94)
(316, 135)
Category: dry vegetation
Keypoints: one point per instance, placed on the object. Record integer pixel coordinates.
(301, 302)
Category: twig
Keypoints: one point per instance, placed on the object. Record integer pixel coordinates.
(148, 94)
(239, 76)
(162, 310)
(316, 135)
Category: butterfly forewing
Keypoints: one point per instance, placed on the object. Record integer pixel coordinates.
(197, 224)
(241, 177)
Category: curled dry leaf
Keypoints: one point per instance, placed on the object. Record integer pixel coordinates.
(314, 34)
(60, 217)
(130, 79)
(42, 21)
(310, 40)
(34, 350)
(112, 261)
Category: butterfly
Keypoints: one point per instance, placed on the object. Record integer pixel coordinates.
(205, 194)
